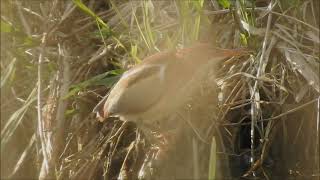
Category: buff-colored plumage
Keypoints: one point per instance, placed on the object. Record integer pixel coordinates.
(155, 89)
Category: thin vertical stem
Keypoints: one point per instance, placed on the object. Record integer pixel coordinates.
(196, 169)
(318, 138)
(255, 93)
(45, 164)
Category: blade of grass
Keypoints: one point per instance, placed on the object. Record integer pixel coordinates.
(100, 23)
(195, 152)
(317, 151)
(8, 72)
(85, 9)
(134, 52)
(114, 7)
(24, 155)
(105, 79)
(224, 3)
(141, 32)
(16, 119)
(196, 28)
(212, 162)
(146, 22)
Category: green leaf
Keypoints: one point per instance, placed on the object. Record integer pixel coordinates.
(6, 27)
(107, 79)
(134, 53)
(198, 4)
(29, 42)
(85, 9)
(244, 39)
(224, 3)
(105, 32)
(70, 112)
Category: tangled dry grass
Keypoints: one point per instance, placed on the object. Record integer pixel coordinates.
(58, 58)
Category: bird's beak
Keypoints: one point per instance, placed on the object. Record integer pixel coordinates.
(99, 115)
(98, 110)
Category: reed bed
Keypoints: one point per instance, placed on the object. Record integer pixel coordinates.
(59, 58)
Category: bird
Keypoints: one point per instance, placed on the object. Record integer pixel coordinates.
(150, 92)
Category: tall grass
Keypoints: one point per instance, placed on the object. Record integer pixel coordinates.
(267, 102)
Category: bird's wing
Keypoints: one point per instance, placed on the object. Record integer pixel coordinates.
(137, 90)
